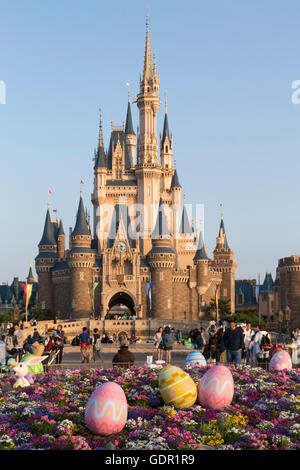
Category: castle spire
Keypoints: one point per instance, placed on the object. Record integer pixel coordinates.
(81, 227)
(129, 125)
(147, 73)
(200, 253)
(100, 157)
(161, 229)
(48, 237)
(222, 233)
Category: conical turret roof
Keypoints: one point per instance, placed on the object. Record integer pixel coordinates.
(222, 231)
(81, 227)
(200, 253)
(175, 181)
(161, 228)
(48, 237)
(129, 124)
(185, 226)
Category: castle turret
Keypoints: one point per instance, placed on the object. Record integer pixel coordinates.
(44, 262)
(161, 259)
(130, 135)
(61, 240)
(224, 262)
(30, 278)
(81, 260)
(201, 262)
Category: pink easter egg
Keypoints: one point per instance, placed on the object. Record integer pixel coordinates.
(280, 360)
(106, 411)
(216, 388)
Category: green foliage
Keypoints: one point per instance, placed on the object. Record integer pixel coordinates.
(40, 314)
(246, 317)
(223, 308)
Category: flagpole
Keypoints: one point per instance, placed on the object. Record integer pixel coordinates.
(26, 304)
(259, 313)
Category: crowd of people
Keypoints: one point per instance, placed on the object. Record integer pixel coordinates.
(226, 342)
(15, 345)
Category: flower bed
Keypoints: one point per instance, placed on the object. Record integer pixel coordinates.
(49, 414)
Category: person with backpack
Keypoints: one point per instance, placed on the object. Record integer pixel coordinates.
(167, 341)
(262, 345)
(96, 341)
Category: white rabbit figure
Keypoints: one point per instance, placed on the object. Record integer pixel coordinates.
(21, 370)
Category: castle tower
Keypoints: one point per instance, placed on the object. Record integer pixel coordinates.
(224, 262)
(201, 262)
(166, 154)
(44, 262)
(30, 278)
(61, 240)
(148, 171)
(81, 260)
(130, 135)
(161, 259)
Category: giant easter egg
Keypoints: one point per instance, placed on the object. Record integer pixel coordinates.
(216, 388)
(106, 411)
(195, 357)
(177, 387)
(35, 368)
(280, 360)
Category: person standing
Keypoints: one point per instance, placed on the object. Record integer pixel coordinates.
(168, 341)
(18, 341)
(158, 343)
(233, 343)
(96, 341)
(84, 345)
(60, 341)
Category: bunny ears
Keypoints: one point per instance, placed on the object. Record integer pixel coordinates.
(34, 360)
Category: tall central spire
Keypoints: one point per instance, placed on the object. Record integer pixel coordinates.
(147, 59)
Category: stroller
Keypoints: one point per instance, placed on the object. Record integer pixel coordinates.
(51, 351)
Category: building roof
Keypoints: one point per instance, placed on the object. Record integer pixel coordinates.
(46, 255)
(48, 237)
(60, 229)
(200, 253)
(166, 132)
(161, 228)
(81, 227)
(185, 226)
(100, 161)
(30, 274)
(267, 286)
(121, 182)
(246, 288)
(129, 125)
(175, 181)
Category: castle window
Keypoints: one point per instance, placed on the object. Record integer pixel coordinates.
(167, 149)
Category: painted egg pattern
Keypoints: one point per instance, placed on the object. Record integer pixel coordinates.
(177, 387)
(216, 388)
(106, 411)
(195, 357)
(280, 360)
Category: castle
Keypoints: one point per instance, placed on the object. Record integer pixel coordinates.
(143, 251)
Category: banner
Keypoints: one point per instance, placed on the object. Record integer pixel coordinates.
(148, 290)
(28, 294)
(93, 291)
(216, 288)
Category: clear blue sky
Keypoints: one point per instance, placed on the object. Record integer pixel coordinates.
(227, 66)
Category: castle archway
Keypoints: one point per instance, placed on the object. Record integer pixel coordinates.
(120, 304)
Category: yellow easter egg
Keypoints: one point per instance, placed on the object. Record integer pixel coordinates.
(177, 388)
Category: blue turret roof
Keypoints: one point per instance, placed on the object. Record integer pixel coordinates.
(129, 125)
(118, 135)
(81, 227)
(61, 229)
(161, 227)
(100, 158)
(185, 226)
(200, 253)
(267, 286)
(48, 237)
(30, 274)
(175, 181)
(166, 132)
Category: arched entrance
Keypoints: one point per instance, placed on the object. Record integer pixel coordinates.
(121, 304)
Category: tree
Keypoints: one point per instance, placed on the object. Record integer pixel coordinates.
(224, 309)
